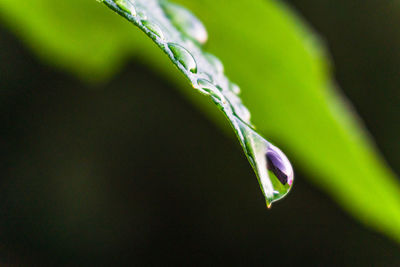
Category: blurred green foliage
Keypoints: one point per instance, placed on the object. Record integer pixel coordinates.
(280, 65)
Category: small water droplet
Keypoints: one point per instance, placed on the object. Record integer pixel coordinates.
(207, 76)
(183, 56)
(154, 28)
(210, 89)
(234, 88)
(185, 22)
(206, 85)
(220, 88)
(215, 62)
(273, 169)
(127, 6)
(142, 15)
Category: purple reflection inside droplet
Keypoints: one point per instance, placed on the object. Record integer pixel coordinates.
(278, 163)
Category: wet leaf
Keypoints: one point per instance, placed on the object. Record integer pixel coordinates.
(181, 36)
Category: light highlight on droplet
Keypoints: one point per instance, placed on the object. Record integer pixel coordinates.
(272, 167)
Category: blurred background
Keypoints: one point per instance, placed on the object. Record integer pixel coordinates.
(128, 171)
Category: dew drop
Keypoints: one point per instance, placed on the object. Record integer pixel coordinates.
(185, 22)
(209, 88)
(206, 85)
(142, 15)
(273, 169)
(154, 28)
(127, 6)
(183, 56)
(234, 88)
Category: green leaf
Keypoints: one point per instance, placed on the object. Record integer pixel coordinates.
(280, 65)
(78, 35)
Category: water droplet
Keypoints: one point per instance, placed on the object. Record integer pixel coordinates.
(234, 88)
(127, 6)
(183, 56)
(210, 89)
(185, 22)
(273, 169)
(154, 28)
(142, 15)
(206, 85)
(215, 62)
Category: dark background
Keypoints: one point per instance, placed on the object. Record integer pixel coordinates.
(128, 171)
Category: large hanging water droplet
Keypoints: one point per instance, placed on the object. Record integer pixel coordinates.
(153, 28)
(127, 6)
(273, 169)
(185, 22)
(183, 57)
(279, 165)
